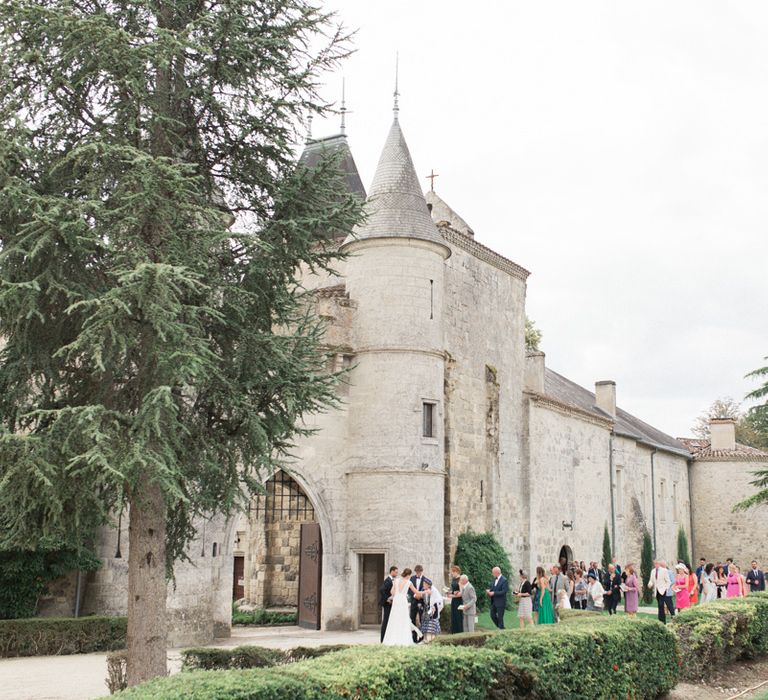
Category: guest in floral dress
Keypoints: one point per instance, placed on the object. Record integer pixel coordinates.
(433, 606)
(630, 591)
(682, 588)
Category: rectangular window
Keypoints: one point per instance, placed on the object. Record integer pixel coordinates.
(662, 500)
(619, 492)
(428, 419)
(674, 502)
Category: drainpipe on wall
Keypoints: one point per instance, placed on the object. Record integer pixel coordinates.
(613, 495)
(653, 499)
(690, 513)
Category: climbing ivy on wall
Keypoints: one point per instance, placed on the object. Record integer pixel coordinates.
(477, 553)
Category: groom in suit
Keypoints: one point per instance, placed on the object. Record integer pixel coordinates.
(417, 605)
(385, 599)
(497, 592)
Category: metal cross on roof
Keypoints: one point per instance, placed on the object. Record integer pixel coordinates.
(343, 111)
(431, 177)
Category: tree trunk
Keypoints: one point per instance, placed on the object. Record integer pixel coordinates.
(147, 627)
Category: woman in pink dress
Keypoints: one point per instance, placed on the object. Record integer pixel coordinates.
(682, 597)
(735, 587)
(630, 591)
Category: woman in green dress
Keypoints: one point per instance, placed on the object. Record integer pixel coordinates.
(457, 616)
(546, 611)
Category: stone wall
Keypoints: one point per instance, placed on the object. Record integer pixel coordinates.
(484, 314)
(199, 605)
(719, 533)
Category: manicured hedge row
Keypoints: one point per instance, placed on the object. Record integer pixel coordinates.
(43, 636)
(363, 673)
(211, 658)
(718, 633)
(594, 659)
(263, 618)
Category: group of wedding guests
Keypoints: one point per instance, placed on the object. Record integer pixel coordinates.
(681, 588)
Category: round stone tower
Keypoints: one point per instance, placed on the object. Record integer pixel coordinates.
(394, 277)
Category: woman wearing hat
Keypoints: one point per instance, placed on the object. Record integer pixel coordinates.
(681, 588)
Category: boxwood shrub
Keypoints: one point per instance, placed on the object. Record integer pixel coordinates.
(263, 618)
(223, 659)
(362, 672)
(45, 636)
(718, 633)
(605, 659)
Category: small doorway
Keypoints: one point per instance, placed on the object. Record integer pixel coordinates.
(310, 575)
(238, 581)
(566, 558)
(372, 575)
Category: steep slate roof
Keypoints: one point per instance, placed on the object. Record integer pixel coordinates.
(703, 452)
(441, 212)
(396, 207)
(567, 392)
(316, 148)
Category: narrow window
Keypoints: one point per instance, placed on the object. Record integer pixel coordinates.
(431, 299)
(674, 502)
(428, 419)
(662, 500)
(215, 549)
(619, 492)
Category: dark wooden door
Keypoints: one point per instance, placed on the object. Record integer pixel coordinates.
(372, 576)
(238, 581)
(310, 575)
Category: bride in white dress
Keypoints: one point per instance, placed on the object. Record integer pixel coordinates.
(399, 627)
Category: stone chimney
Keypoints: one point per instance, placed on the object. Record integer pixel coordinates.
(605, 396)
(722, 433)
(534, 372)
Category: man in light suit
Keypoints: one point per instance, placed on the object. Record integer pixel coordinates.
(660, 584)
(468, 602)
(558, 581)
(497, 592)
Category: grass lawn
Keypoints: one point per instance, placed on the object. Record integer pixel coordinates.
(511, 622)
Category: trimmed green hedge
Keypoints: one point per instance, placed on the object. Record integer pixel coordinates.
(718, 633)
(619, 658)
(465, 639)
(222, 659)
(384, 673)
(45, 636)
(263, 618)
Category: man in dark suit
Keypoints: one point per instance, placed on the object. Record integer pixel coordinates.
(417, 605)
(755, 579)
(612, 584)
(699, 569)
(385, 599)
(497, 592)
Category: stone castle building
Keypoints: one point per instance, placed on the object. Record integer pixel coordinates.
(446, 425)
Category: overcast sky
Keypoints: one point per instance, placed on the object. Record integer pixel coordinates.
(617, 150)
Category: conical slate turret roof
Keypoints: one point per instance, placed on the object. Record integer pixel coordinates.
(318, 148)
(396, 207)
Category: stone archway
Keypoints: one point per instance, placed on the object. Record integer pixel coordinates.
(274, 548)
(565, 559)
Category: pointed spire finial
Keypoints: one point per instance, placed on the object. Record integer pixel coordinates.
(396, 94)
(343, 110)
(309, 127)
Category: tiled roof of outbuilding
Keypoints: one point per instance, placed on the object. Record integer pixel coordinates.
(396, 207)
(625, 424)
(702, 451)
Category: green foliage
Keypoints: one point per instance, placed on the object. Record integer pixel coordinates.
(477, 554)
(597, 658)
(607, 551)
(465, 639)
(146, 342)
(215, 658)
(532, 336)
(46, 636)
(25, 574)
(264, 618)
(646, 566)
(575, 615)
(717, 634)
(683, 551)
(212, 658)
(361, 672)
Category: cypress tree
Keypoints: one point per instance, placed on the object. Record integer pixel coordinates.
(607, 553)
(141, 364)
(646, 566)
(683, 552)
